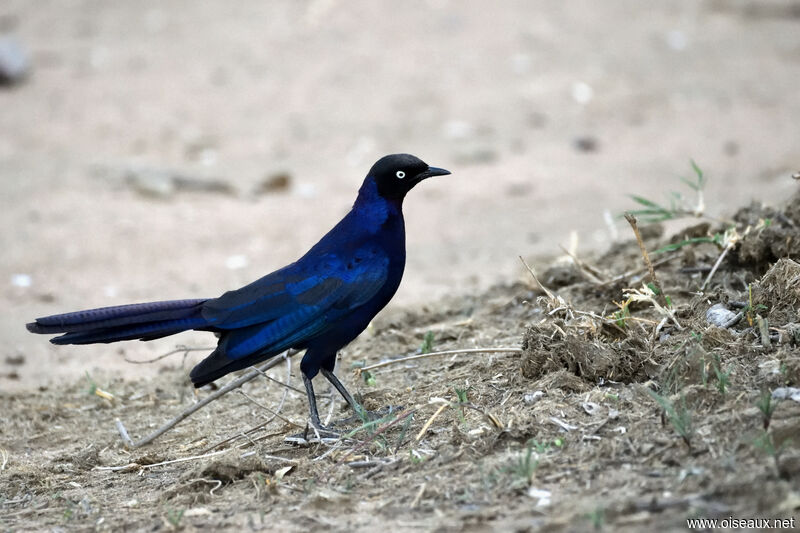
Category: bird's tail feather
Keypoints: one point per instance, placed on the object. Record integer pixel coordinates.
(144, 321)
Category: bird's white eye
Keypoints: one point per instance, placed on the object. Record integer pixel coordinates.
(400, 174)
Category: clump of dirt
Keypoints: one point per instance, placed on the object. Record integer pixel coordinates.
(594, 407)
(773, 234)
(580, 349)
(778, 291)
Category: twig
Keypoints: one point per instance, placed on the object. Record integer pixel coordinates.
(545, 289)
(178, 349)
(634, 272)
(418, 497)
(430, 421)
(266, 422)
(275, 414)
(372, 437)
(763, 330)
(445, 352)
(131, 466)
(4, 456)
(727, 249)
(209, 481)
(235, 384)
(279, 382)
(635, 226)
(594, 274)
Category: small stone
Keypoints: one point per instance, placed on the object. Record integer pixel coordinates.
(786, 393)
(21, 280)
(458, 129)
(585, 143)
(236, 262)
(582, 92)
(721, 316)
(274, 183)
(154, 183)
(590, 407)
(472, 154)
(531, 398)
(15, 360)
(14, 65)
(677, 40)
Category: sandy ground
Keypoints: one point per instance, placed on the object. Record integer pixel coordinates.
(604, 417)
(548, 113)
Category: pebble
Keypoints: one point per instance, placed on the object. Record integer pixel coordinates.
(721, 316)
(14, 65)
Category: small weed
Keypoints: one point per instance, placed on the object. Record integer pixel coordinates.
(461, 395)
(427, 343)
(415, 457)
(717, 239)
(767, 408)
(541, 447)
(678, 207)
(678, 415)
(92, 385)
(597, 517)
(766, 443)
(749, 310)
(621, 317)
(523, 467)
(369, 379)
(723, 377)
(174, 517)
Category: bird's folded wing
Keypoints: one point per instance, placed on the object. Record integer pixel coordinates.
(296, 302)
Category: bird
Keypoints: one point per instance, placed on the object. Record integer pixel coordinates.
(319, 303)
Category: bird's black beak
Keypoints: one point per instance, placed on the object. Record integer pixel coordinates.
(431, 172)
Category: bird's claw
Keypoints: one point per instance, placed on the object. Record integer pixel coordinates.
(313, 434)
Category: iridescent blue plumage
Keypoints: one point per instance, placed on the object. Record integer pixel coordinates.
(319, 303)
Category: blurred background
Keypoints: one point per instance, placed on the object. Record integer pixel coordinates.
(153, 150)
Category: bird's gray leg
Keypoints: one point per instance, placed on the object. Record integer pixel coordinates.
(343, 391)
(312, 403)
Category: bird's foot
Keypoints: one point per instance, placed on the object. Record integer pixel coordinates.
(313, 434)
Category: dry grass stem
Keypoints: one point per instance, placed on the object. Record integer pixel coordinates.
(186, 413)
(432, 354)
(730, 239)
(430, 421)
(592, 273)
(133, 466)
(549, 294)
(178, 349)
(651, 270)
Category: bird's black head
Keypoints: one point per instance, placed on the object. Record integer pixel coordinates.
(397, 174)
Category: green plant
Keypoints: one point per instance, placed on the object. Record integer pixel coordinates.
(427, 343)
(766, 443)
(174, 517)
(750, 311)
(723, 377)
(717, 239)
(621, 316)
(92, 384)
(597, 517)
(524, 466)
(678, 207)
(369, 378)
(767, 408)
(461, 395)
(678, 415)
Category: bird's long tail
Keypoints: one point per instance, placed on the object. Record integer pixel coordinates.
(143, 321)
